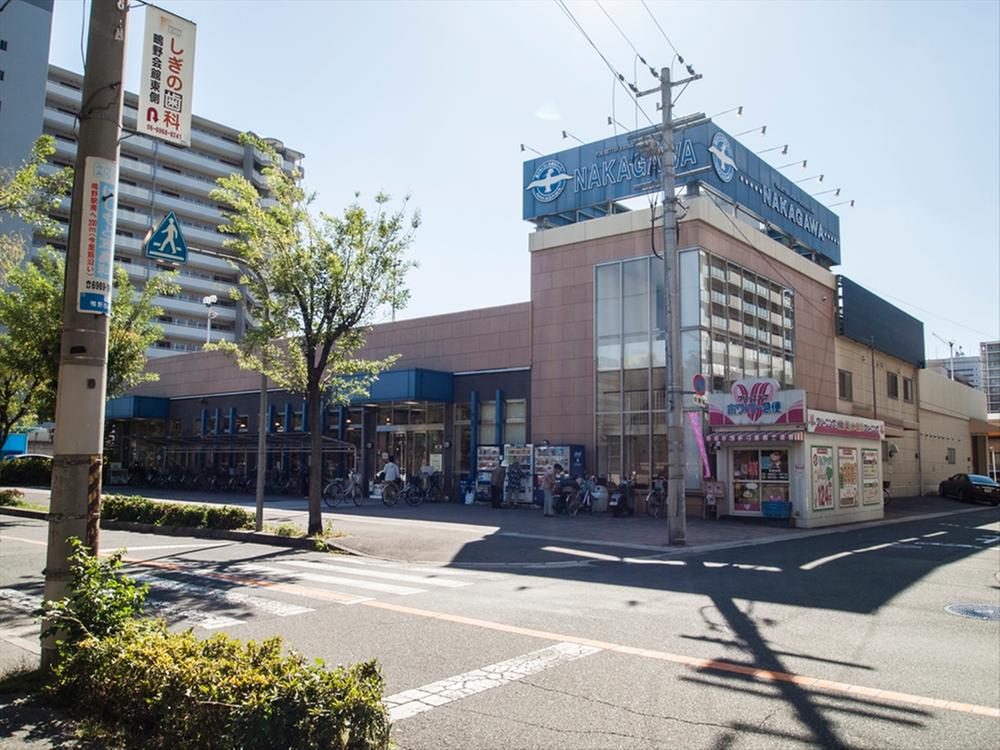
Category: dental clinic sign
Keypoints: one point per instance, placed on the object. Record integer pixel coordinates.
(167, 77)
(596, 174)
(756, 401)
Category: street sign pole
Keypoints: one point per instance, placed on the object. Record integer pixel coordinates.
(79, 440)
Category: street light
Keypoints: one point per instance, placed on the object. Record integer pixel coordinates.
(208, 301)
(784, 150)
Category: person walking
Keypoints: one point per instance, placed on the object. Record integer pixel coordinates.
(549, 485)
(390, 472)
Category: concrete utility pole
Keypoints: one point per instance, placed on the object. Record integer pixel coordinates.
(79, 441)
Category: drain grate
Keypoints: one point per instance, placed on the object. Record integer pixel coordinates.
(985, 612)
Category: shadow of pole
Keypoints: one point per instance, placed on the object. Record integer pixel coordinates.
(764, 657)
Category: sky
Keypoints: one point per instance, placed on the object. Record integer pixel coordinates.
(897, 103)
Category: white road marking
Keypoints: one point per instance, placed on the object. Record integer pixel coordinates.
(935, 533)
(269, 606)
(412, 702)
(402, 577)
(434, 570)
(386, 588)
(200, 545)
(582, 553)
(588, 542)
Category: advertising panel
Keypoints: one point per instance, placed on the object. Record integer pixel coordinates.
(847, 473)
(871, 494)
(623, 166)
(166, 78)
(97, 236)
(757, 401)
(822, 477)
(828, 423)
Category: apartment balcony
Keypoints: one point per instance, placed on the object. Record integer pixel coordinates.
(193, 333)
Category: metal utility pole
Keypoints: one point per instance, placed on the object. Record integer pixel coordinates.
(83, 358)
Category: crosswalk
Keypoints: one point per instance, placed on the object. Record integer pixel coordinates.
(213, 595)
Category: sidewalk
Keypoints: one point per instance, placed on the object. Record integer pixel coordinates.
(479, 534)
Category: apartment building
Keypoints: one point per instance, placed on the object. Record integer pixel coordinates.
(154, 179)
(989, 362)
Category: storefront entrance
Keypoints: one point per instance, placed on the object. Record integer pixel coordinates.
(412, 432)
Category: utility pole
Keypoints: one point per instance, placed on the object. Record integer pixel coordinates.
(83, 358)
(676, 503)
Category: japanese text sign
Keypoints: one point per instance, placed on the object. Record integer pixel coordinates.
(166, 78)
(756, 401)
(97, 236)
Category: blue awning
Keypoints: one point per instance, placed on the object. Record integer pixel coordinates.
(137, 407)
(411, 385)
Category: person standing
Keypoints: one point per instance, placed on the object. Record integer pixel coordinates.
(390, 472)
(496, 484)
(549, 485)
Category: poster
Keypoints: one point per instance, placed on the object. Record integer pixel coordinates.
(715, 492)
(847, 474)
(871, 494)
(166, 77)
(822, 477)
(97, 236)
(774, 465)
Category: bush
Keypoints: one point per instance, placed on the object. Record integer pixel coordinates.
(33, 471)
(139, 509)
(13, 498)
(158, 689)
(169, 690)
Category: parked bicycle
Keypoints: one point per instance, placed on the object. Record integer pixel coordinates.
(422, 487)
(339, 490)
(584, 498)
(656, 500)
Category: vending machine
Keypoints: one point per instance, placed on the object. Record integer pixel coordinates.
(487, 459)
(570, 457)
(520, 463)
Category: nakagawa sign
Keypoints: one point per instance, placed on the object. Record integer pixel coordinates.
(616, 168)
(166, 79)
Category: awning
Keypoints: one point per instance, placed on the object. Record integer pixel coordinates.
(766, 436)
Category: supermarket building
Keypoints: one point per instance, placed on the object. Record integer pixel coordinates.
(817, 389)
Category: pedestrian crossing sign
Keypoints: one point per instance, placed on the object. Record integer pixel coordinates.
(167, 242)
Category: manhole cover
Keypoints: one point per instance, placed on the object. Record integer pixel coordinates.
(987, 612)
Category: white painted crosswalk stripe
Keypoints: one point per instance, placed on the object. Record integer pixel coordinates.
(356, 571)
(385, 588)
(227, 596)
(412, 702)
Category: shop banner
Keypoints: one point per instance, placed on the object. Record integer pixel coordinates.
(97, 236)
(847, 473)
(828, 423)
(167, 77)
(757, 401)
(695, 419)
(871, 493)
(822, 477)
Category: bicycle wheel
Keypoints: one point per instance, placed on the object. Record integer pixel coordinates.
(332, 493)
(654, 505)
(437, 494)
(413, 496)
(357, 495)
(390, 494)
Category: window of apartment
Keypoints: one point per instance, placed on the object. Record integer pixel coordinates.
(908, 390)
(892, 384)
(3, 45)
(1, 75)
(950, 458)
(243, 423)
(845, 385)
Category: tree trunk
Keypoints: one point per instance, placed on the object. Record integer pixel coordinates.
(315, 460)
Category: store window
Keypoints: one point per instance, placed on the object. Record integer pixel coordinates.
(243, 423)
(515, 429)
(845, 385)
(487, 422)
(892, 384)
(908, 390)
(758, 474)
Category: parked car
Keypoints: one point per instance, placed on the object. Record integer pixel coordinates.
(971, 487)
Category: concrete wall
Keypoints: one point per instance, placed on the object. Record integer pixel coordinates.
(946, 406)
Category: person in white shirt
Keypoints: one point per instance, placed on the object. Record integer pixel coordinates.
(390, 472)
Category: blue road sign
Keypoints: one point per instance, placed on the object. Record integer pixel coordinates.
(167, 241)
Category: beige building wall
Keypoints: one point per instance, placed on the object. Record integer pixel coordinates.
(901, 452)
(946, 408)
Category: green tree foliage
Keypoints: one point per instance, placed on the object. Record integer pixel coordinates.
(30, 194)
(31, 309)
(317, 283)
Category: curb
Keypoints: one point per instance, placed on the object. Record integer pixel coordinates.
(233, 535)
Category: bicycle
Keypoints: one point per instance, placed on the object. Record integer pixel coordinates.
(584, 499)
(336, 491)
(390, 493)
(656, 500)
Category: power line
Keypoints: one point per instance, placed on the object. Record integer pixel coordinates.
(928, 312)
(679, 55)
(630, 88)
(629, 41)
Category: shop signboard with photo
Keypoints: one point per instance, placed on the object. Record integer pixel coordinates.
(870, 492)
(847, 477)
(757, 401)
(821, 458)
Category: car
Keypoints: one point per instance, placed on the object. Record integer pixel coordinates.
(19, 456)
(971, 487)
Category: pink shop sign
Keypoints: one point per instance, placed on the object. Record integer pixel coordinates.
(828, 423)
(757, 401)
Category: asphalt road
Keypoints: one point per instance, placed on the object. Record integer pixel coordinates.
(838, 640)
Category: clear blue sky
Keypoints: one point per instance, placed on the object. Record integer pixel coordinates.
(897, 103)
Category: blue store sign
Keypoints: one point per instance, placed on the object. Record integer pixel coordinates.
(596, 174)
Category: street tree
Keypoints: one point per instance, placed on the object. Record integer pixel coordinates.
(32, 191)
(318, 282)
(31, 331)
